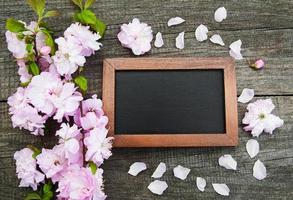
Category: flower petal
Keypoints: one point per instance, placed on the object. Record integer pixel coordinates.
(246, 95)
(201, 33)
(158, 187)
(216, 38)
(259, 170)
(181, 172)
(159, 40)
(175, 21)
(228, 162)
(221, 189)
(220, 14)
(180, 41)
(235, 50)
(159, 172)
(252, 147)
(136, 168)
(201, 183)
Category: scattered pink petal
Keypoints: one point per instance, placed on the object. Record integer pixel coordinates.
(159, 172)
(158, 187)
(181, 172)
(201, 33)
(175, 21)
(217, 39)
(159, 42)
(246, 95)
(221, 189)
(259, 170)
(136, 168)
(228, 162)
(235, 50)
(180, 41)
(259, 64)
(220, 14)
(252, 147)
(201, 183)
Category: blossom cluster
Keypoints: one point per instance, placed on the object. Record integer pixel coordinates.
(53, 95)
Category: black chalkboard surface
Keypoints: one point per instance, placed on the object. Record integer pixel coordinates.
(169, 101)
(164, 102)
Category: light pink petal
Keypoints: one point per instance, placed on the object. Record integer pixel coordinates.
(252, 147)
(235, 50)
(217, 39)
(246, 95)
(259, 170)
(228, 162)
(159, 172)
(159, 40)
(180, 41)
(175, 21)
(136, 168)
(201, 183)
(201, 33)
(181, 172)
(158, 187)
(220, 14)
(72, 145)
(221, 189)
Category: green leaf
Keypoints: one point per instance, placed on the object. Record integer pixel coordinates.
(14, 25)
(87, 17)
(93, 167)
(99, 27)
(78, 3)
(81, 81)
(30, 48)
(47, 187)
(34, 69)
(88, 3)
(47, 196)
(49, 41)
(35, 150)
(24, 85)
(38, 6)
(51, 13)
(33, 196)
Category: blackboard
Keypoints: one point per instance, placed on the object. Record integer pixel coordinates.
(154, 102)
(169, 101)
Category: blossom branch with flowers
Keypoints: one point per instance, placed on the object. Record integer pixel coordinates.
(53, 89)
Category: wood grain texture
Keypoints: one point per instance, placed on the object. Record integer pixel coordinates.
(266, 29)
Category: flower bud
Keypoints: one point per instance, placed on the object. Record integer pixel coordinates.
(45, 50)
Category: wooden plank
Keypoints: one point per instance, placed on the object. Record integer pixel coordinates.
(275, 151)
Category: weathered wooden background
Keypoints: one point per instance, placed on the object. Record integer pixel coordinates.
(266, 29)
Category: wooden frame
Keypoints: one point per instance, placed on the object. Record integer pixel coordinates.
(230, 138)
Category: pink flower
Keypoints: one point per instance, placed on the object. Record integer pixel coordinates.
(84, 38)
(29, 119)
(45, 50)
(259, 118)
(68, 57)
(259, 64)
(70, 141)
(26, 169)
(98, 145)
(15, 46)
(18, 100)
(80, 184)
(40, 90)
(66, 101)
(52, 162)
(91, 120)
(136, 36)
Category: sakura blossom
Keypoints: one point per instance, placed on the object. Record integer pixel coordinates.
(98, 145)
(228, 162)
(235, 50)
(79, 183)
(26, 169)
(70, 139)
(52, 162)
(68, 57)
(91, 121)
(25, 76)
(259, 119)
(16, 46)
(84, 38)
(136, 36)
